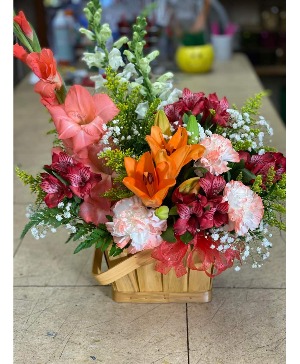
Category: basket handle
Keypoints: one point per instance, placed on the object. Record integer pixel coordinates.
(120, 270)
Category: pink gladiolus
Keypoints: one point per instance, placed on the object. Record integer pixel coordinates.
(21, 20)
(246, 208)
(43, 65)
(81, 120)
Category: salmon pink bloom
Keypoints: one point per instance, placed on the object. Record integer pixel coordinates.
(21, 20)
(55, 189)
(246, 208)
(135, 224)
(81, 119)
(218, 152)
(94, 208)
(43, 65)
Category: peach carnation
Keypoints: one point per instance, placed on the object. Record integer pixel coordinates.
(135, 224)
(218, 153)
(245, 207)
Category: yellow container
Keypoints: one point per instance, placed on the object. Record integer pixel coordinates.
(195, 59)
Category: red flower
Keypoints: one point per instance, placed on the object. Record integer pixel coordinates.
(170, 255)
(82, 179)
(203, 253)
(43, 65)
(56, 190)
(203, 211)
(21, 20)
(189, 102)
(214, 110)
(61, 162)
(260, 164)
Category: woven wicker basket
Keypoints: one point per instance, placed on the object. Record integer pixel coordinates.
(134, 279)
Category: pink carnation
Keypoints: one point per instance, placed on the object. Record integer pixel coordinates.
(136, 224)
(218, 153)
(245, 207)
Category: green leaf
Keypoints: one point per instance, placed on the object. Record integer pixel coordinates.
(247, 175)
(186, 237)
(173, 211)
(168, 235)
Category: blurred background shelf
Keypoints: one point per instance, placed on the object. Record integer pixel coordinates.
(261, 34)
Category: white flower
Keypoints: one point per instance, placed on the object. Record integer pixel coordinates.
(128, 71)
(94, 59)
(115, 59)
(142, 109)
(99, 81)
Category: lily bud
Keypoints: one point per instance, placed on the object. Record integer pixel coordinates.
(162, 121)
(190, 186)
(162, 212)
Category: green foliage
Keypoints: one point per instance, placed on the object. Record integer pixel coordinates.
(114, 159)
(253, 104)
(33, 182)
(118, 193)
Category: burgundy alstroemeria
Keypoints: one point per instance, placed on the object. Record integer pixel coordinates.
(61, 162)
(82, 179)
(215, 110)
(260, 164)
(189, 102)
(205, 211)
(55, 189)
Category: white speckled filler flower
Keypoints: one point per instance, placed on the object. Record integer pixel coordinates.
(245, 207)
(136, 224)
(218, 153)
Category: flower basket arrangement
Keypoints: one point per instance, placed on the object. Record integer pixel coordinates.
(171, 187)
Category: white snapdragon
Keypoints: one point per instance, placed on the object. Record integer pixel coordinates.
(115, 59)
(99, 80)
(142, 109)
(95, 59)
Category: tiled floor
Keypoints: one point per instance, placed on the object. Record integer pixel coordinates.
(61, 315)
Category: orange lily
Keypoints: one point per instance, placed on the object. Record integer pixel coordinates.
(176, 151)
(148, 182)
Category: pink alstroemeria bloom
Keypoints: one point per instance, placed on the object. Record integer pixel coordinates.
(218, 152)
(246, 208)
(80, 120)
(55, 189)
(43, 65)
(21, 20)
(94, 208)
